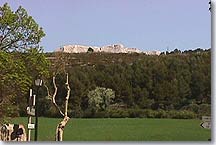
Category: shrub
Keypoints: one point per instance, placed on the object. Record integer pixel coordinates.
(204, 110)
(150, 113)
(142, 113)
(133, 113)
(118, 113)
(87, 114)
(77, 113)
(192, 107)
(101, 114)
(182, 114)
(161, 114)
(90, 50)
(199, 110)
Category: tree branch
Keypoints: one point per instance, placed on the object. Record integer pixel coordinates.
(48, 93)
(10, 43)
(8, 32)
(54, 95)
(68, 95)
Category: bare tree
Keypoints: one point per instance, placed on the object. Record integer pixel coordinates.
(60, 67)
(60, 127)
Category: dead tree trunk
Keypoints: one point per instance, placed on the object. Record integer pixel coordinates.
(62, 124)
(60, 127)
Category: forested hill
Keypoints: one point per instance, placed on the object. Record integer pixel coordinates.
(144, 86)
(172, 85)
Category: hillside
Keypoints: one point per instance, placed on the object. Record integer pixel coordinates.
(176, 85)
(90, 59)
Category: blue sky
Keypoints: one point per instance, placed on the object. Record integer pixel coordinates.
(144, 24)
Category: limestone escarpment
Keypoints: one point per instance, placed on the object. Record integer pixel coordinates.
(115, 48)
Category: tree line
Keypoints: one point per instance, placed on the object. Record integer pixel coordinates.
(151, 84)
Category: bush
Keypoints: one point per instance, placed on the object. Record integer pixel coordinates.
(142, 113)
(118, 113)
(87, 114)
(204, 110)
(191, 107)
(150, 113)
(182, 114)
(78, 113)
(133, 113)
(9, 111)
(161, 114)
(101, 114)
(52, 112)
(199, 110)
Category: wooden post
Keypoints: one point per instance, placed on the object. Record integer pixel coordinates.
(29, 130)
(29, 116)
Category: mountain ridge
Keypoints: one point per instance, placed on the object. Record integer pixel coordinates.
(114, 48)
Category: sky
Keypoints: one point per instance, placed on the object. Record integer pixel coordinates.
(145, 24)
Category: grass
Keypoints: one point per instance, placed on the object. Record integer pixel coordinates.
(125, 129)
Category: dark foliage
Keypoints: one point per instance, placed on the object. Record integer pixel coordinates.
(165, 86)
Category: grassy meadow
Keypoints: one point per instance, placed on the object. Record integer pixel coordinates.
(122, 129)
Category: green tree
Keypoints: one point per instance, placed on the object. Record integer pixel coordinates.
(21, 59)
(100, 99)
(14, 83)
(18, 30)
(90, 50)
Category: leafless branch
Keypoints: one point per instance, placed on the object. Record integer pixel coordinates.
(68, 95)
(54, 95)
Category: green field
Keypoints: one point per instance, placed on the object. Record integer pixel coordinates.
(125, 129)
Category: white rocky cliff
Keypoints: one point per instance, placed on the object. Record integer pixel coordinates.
(115, 48)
